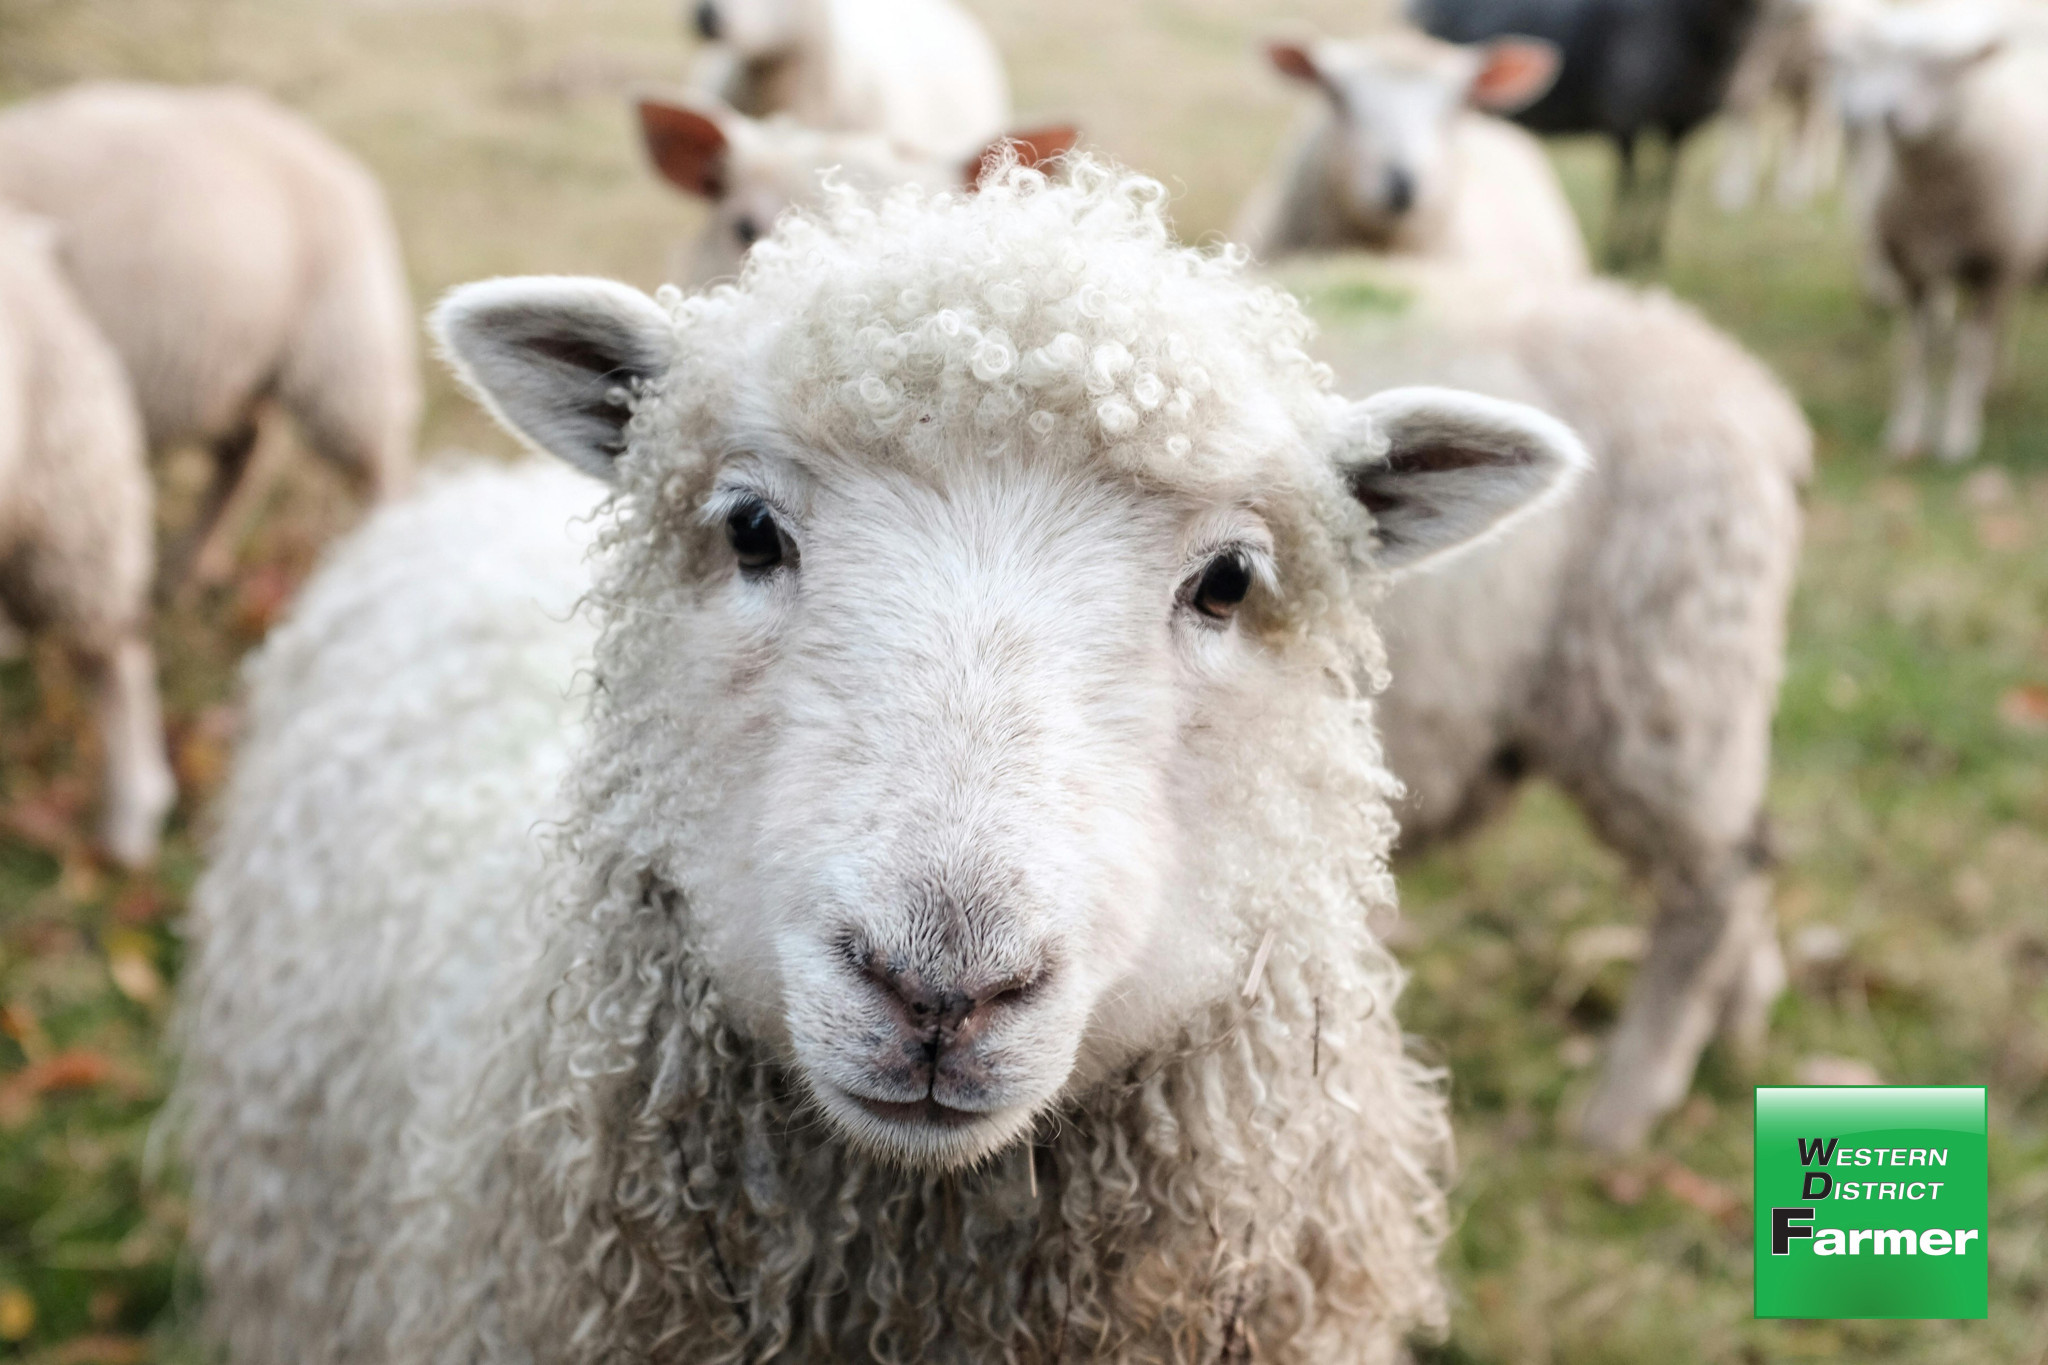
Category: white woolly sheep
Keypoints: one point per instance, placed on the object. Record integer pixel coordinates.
(954, 942)
(75, 523)
(237, 260)
(1961, 203)
(750, 170)
(1399, 158)
(921, 73)
(1627, 641)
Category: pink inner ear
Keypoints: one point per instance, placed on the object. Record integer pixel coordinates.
(687, 147)
(1035, 147)
(1516, 73)
(1292, 59)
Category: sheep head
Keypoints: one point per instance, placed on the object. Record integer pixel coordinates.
(1393, 100)
(748, 171)
(1900, 70)
(982, 560)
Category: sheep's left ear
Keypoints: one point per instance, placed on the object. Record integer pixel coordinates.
(554, 357)
(1033, 148)
(1513, 74)
(1441, 468)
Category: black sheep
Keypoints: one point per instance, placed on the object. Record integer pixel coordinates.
(1630, 67)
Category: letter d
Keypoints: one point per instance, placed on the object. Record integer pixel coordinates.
(1782, 1231)
(1827, 1182)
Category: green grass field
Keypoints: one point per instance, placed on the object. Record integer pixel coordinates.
(1911, 793)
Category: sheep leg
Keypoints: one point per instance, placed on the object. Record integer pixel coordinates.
(209, 540)
(1976, 363)
(1813, 156)
(1741, 162)
(139, 786)
(1625, 206)
(1905, 434)
(1704, 942)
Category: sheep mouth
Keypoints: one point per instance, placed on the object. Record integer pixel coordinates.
(925, 1111)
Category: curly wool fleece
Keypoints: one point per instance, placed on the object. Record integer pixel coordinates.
(593, 1158)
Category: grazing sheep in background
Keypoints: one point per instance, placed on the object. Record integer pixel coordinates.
(956, 939)
(921, 73)
(238, 261)
(75, 536)
(1398, 160)
(1627, 641)
(1960, 205)
(1786, 64)
(750, 170)
(1631, 67)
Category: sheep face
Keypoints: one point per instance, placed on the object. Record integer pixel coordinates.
(950, 701)
(1902, 70)
(1394, 101)
(752, 28)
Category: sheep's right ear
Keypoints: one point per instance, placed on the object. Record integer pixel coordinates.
(688, 146)
(1514, 73)
(1295, 61)
(1440, 469)
(554, 357)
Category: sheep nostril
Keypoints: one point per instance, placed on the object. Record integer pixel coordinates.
(708, 27)
(1400, 190)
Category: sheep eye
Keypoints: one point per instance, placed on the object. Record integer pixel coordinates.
(748, 231)
(757, 542)
(1222, 586)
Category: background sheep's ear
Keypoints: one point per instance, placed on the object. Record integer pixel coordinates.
(1034, 146)
(550, 357)
(1514, 73)
(1440, 468)
(687, 145)
(1294, 60)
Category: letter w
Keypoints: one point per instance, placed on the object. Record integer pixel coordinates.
(1808, 1155)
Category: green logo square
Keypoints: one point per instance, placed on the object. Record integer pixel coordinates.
(1871, 1202)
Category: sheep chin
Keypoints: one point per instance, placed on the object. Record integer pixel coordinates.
(906, 1135)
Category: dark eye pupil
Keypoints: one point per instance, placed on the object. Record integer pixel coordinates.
(756, 540)
(1224, 585)
(747, 231)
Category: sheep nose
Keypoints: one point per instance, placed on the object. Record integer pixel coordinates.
(707, 22)
(1400, 190)
(943, 1017)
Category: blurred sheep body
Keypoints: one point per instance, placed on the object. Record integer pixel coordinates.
(236, 259)
(1627, 642)
(1398, 160)
(75, 523)
(1630, 68)
(910, 977)
(1960, 203)
(922, 74)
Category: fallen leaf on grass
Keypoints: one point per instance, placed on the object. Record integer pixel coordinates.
(19, 1022)
(75, 1069)
(129, 962)
(139, 904)
(17, 1314)
(2025, 707)
(1691, 1188)
(1629, 1185)
(100, 1350)
(48, 819)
